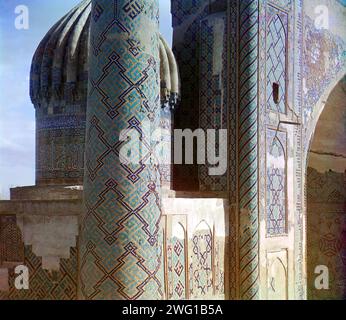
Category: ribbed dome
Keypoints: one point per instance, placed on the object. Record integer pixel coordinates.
(58, 69)
(58, 90)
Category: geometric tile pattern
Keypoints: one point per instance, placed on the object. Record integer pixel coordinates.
(213, 89)
(183, 8)
(201, 258)
(119, 256)
(219, 271)
(4, 296)
(195, 258)
(276, 63)
(290, 14)
(165, 153)
(178, 269)
(61, 285)
(60, 151)
(232, 145)
(185, 48)
(11, 243)
(248, 149)
(276, 182)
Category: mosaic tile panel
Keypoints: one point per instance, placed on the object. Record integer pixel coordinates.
(43, 285)
(178, 266)
(186, 41)
(291, 15)
(4, 296)
(11, 243)
(160, 249)
(276, 182)
(60, 149)
(276, 61)
(166, 148)
(182, 9)
(219, 269)
(202, 266)
(213, 89)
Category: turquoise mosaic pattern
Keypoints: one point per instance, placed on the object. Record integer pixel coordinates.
(120, 255)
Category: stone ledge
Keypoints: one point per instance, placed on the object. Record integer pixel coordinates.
(47, 193)
(42, 207)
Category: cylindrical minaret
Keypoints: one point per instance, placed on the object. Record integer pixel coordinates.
(120, 257)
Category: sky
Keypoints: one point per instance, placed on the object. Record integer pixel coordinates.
(17, 116)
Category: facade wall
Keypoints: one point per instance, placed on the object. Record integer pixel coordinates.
(326, 198)
(280, 168)
(263, 70)
(193, 243)
(195, 248)
(304, 62)
(324, 66)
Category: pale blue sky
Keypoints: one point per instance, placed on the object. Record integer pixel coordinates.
(17, 117)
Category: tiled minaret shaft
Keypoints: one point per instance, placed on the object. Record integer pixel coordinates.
(120, 255)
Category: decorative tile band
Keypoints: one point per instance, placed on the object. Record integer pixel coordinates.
(248, 149)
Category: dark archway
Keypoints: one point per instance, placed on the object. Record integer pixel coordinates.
(326, 198)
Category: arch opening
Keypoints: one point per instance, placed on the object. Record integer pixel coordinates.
(326, 201)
